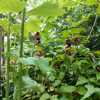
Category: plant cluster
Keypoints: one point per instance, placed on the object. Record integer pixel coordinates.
(52, 61)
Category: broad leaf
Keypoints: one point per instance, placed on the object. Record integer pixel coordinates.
(38, 48)
(26, 81)
(45, 96)
(98, 9)
(54, 97)
(71, 31)
(10, 55)
(57, 82)
(47, 9)
(11, 5)
(81, 80)
(4, 23)
(15, 28)
(15, 94)
(81, 90)
(91, 90)
(98, 75)
(42, 63)
(32, 27)
(67, 89)
(89, 2)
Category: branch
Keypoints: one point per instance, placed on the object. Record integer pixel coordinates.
(92, 28)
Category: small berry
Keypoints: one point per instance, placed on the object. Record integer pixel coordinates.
(40, 51)
(76, 39)
(37, 33)
(69, 44)
(37, 44)
(38, 41)
(68, 52)
(38, 55)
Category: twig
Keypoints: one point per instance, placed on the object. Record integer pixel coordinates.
(92, 28)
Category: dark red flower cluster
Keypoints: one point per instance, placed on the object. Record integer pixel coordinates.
(76, 40)
(76, 93)
(36, 37)
(68, 52)
(39, 54)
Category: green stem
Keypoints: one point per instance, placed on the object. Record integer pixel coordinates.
(8, 59)
(21, 49)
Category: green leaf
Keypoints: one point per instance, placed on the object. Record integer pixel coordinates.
(89, 2)
(97, 52)
(36, 21)
(15, 94)
(4, 23)
(45, 96)
(54, 97)
(47, 9)
(15, 28)
(42, 63)
(32, 27)
(10, 55)
(67, 88)
(81, 80)
(38, 48)
(61, 75)
(11, 5)
(26, 81)
(91, 90)
(48, 27)
(81, 90)
(67, 61)
(71, 31)
(98, 9)
(98, 75)
(57, 82)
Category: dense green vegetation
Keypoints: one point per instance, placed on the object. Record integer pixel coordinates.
(52, 50)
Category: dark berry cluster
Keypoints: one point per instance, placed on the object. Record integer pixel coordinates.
(36, 37)
(67, 42)
(39, 54)
(68, 52)
(76, 40)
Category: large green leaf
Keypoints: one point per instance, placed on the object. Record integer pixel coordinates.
(11, 5)
(91, 90)
(71, 31)
(81, 80)
(26, 81)
(67, 88)
(45, 96)
(54, 97)
(15, 94)
(48, 27)
(15, 28)
(81, 90)
(32, 27)
(98, 9)
(42, 63)
(47, 9)
(4, 23)
(89, 2)
(11, 55)
(98, 75)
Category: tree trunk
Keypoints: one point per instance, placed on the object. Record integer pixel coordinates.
(0, 53)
